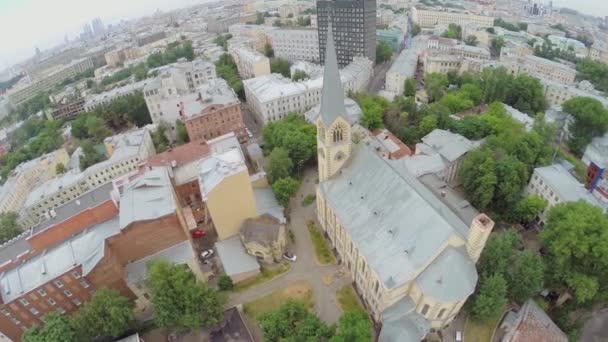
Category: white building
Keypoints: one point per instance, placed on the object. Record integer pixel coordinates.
(173, 82)
(539, 67)
(272, 97)
(405, 65)
(296, 45)
(96, 100)
(556, 93)
(430, 18)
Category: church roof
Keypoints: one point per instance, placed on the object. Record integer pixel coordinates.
(397, 223)
(332, 96)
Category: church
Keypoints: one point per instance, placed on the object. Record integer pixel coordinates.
(410, 248)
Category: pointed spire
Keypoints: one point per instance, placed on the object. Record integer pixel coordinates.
(332, 96)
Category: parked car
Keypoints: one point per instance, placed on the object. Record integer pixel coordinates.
(290, 256)
(197, 233)
(458, 336)
(207, 253)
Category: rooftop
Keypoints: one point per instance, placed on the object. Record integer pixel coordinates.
(225, 160)
(402, 323)
(263, 229)
(52, 186)
(234, 258)
(266, 203)
(214, 92)
(522, 118)
(564, 184)
(597, 151)
(406, 62)
(180, 155)
(177, 254)
(450, 146)
(533, 324)
(114, 93)
(352, 114)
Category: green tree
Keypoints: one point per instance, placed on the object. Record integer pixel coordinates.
(259, 20)
(59, 168)
(225, 283)
(179, 300)
(527, 95)
(279, 165)
(435, 85)
(528, 208)
(372, 119)
(281, 66)
(182, 132)
(107, 314)
(416, 30)
(353, 326)
(512, 176)
(90, 156)
(427, 125)
(159, 138)
(268, 51)
(277, 23)
(9, 228)
(575, 237)
(299, 75)
(56, 328)
(454, 31)
(590, 121)
(491, 298)
(497, 254)
(594, 72)
(284, 188)
(496, 45)
(383, 52)
(295, 135)
(478, 173)
(471, 40)
(456, 103)
(227, 69)
(293, 322)
(409, 88)
(526, 276)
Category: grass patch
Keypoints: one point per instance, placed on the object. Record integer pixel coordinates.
(308, 200)
(300, 290)
(475, 331)
(267, 273)
(323, 251)
(348, 300)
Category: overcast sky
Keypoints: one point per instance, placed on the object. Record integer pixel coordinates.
(26, 24)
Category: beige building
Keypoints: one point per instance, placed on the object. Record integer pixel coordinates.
(296, 45)
(556, 93)
(125, 152)
(18, 186)
(599, 52)
(539, 67)
(431, 18)
(413, 275)
(226, 187)
(443, 58)
(264, 237)
(249, 62)
(260, 33)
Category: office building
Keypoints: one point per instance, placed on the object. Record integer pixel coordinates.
(354, 27)
(428, 18)
(296, 45)
(98, 28)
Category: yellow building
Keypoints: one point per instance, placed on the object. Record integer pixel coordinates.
(411, 253)
(226, 187)
(430, 18)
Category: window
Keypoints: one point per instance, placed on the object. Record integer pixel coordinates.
(52, 302)
(24, 302)
(34, 311)
(84, 284)
(41, 292)
(76, 274)
(61, 310)
(67, 293)
(441, 312)
(5, 312)
(58, 283)
(76, 301)
(425, 309)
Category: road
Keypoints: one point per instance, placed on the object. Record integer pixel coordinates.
(377, 82)
(305, 268)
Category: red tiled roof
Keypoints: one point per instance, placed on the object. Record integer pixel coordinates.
(403, 151)
(535, 325)
(181, 154)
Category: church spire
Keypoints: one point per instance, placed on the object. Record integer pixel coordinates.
(332, 96)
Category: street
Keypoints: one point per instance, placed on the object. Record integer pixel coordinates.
(378, 79)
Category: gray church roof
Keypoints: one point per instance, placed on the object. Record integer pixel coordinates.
(397, 223)
(401, 323)
(332, 96)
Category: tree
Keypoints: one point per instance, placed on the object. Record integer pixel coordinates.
(383, 52)
(512, 176)
(456, 103)
(409, 87)
(227, 69)
(56, 328)
(575, 237)
(277, 23)
(496, 45)
(107, 314)
(179, 300)
(353, 326)
(159, 138)
(590, 121)
(528, 208)
(59, 168)
(497, 254)
(284, 188)
(90, 156)
(479, 177)
(268, 51)
(527, 95)
(372, 119)
(594, 72)
(436, 85)
(225, 283)
(471, 40)
(280, 66)
(427, 125)
(279, 165)
(299, 75)
(182, 132)
(454, 31)
(293, 322)
(526, 276)
(490, 299)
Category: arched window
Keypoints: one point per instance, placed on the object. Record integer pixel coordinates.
(424, 310)
(338, 133)
(441, 312)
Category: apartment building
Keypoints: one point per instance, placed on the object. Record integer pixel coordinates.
(148, 38)
(117, 57)
(24, 178)
(296, 45)
(599, 52)
(49, 80)
(431, 18)
(596, 160)
(173, 82)
(444, 56)
(539, 67)
(556, 185)
(67, 110)
(125, 151)
(215, 111)
(107, 97)
(556, 93)
(57, 268)
(405, 65)
(412, 278)
(353, 24)
(250, 63)
(271, 97)
(261, 34)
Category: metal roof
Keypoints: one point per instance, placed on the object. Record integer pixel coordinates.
(234, 258)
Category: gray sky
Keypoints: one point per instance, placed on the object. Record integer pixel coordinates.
(25, 24)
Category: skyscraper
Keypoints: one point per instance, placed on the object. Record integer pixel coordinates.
(354, 28)
(98, 27)
(86, 33)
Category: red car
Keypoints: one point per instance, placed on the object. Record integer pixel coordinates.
(198, 233)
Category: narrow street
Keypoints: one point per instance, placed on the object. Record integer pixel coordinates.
(377, 82)
(305, 268)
